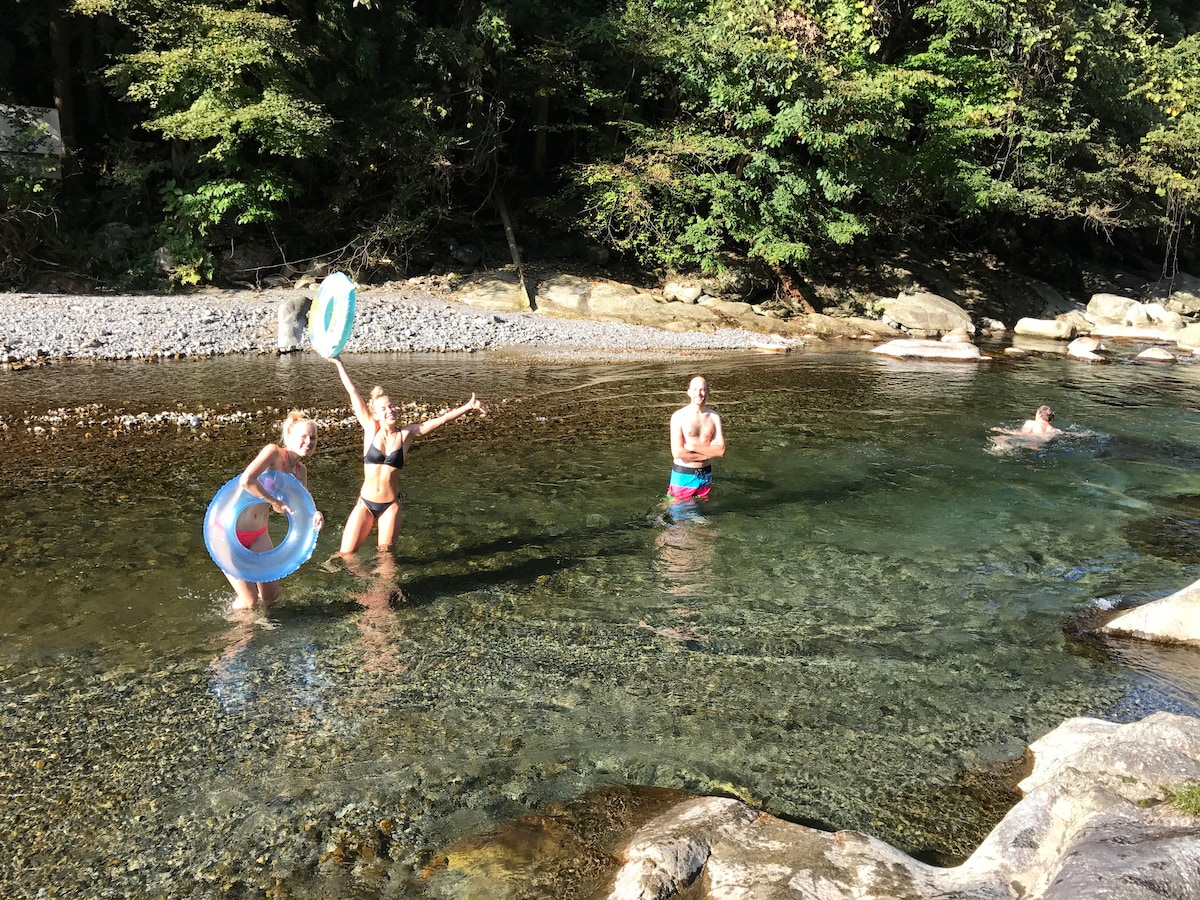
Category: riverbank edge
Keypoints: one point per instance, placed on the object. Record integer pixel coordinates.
(38, 329)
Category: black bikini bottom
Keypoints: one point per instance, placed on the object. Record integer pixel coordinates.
(377, 509)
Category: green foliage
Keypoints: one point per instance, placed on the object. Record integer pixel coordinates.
(228, 79)
(197, 212)
(792, 129)
(225, 83)
(29, 190)
(1167, 162)
(763, 145)
(675, 131)
(1185, 797)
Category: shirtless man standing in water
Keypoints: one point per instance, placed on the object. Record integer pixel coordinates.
(696, 439)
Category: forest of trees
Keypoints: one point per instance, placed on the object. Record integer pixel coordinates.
(673, 133)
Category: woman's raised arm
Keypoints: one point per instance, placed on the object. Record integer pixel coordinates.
(361, 411)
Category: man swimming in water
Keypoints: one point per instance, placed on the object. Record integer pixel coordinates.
(1039, 425)
(1034, 433)
(696, 440)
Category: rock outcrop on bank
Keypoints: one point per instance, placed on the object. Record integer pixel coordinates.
(1174, 619)
(903, 309)
(1094, 822)
(566, 312)
(1098, 819)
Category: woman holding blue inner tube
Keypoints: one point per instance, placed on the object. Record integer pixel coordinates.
(299, 440)
(385, 445)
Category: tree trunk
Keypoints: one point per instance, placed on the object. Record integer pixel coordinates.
(793, 290)
(502, 208)
(93, 93)
(540, 128)
(61, 71)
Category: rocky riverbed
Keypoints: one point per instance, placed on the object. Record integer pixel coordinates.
(46, 327)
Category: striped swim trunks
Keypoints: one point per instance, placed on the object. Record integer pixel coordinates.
(690, 484)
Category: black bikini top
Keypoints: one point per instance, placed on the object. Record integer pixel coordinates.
(375, 456)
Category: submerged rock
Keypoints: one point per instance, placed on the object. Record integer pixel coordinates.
(1086, 348)
(1156, 354)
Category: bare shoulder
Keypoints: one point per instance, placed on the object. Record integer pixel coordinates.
(271, 454)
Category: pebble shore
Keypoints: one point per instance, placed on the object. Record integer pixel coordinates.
(47, 327)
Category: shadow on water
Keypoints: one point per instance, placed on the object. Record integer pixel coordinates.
(1133, 447)
(1173, 532)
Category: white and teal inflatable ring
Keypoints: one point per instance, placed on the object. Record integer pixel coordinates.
(331, 319)
(220, 529)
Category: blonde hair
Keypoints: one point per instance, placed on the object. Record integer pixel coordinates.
(377, 393)
(294, 418)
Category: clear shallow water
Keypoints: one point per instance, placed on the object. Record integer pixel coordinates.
(873, 602)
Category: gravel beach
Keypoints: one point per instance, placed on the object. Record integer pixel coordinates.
(48, 327)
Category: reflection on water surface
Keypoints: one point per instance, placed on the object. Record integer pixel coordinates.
(871, 605)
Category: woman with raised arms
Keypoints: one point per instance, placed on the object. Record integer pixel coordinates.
(385, 446)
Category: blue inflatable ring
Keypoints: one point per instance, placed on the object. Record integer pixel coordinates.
(332, 316)
(220, 529)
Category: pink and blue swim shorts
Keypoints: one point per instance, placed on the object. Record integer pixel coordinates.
(690, 484)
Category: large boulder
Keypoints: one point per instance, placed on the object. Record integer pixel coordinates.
(1173, 619)
(852, 327)
(573, 297)
(493, 290)
(682, 290)
(1110, 306)
(1049, 329)
(1078, 320)
(570, 296)
(735, 281)
(1180, 294)
(1188, 339)
(613, 300)
(923, 315)
(730, 309)
(1054, 302)
(292, 315)
(1092, 824)
(1136, 332)
(905, 348)
(1163, 317)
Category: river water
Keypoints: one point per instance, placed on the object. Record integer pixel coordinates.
(871, 608)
